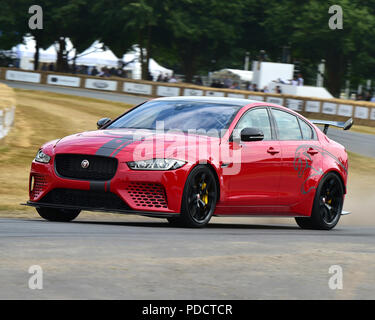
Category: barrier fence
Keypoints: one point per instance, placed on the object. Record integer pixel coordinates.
(328, 109)
(7, 109)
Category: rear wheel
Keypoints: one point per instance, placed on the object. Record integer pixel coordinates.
(58, 215)
(198, 200)
(327, 207)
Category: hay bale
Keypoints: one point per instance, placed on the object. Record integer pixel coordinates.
(7, 97)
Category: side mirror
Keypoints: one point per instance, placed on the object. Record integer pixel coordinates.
(102, 122)
(348, 124)
(251, 134)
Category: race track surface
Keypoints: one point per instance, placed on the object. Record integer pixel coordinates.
(360, 143)
(142, 258)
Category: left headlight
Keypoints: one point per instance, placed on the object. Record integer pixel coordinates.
(42, 157)
(156, 164)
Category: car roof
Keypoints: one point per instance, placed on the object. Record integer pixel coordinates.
(219, 100)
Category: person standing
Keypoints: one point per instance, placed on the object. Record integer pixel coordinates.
(300, 80)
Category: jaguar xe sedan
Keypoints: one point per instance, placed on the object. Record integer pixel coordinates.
(187, 159)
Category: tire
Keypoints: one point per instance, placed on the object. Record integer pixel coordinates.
(327, 205)
(58, 215)
(199, 199)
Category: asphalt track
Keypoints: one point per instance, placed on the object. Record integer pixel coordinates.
(356, 142)
(141, 258)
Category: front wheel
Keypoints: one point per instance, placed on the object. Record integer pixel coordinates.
(199, 198)
(58, 215)
(327, 206)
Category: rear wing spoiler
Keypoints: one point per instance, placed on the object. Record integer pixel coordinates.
(344, 125)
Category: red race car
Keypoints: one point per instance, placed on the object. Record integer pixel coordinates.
(189, 158)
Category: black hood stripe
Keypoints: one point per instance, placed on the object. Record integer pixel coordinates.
(111, 149)
(108, 148)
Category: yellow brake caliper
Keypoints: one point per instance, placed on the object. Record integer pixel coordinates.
(205, 196)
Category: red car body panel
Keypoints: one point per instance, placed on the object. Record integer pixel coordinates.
(276, 178)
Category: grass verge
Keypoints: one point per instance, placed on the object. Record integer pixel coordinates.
(41, 117)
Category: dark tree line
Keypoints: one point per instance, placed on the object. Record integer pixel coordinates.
(196, 36)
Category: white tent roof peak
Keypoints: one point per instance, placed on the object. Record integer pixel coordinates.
(243, 75)
(132, 58)
(97, 54)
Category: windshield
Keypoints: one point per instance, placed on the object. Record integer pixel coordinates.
(178, 115)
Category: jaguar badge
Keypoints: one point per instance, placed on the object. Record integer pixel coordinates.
(85, 164)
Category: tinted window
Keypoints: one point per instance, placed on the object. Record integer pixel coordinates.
(257, 118)
(178, 115)
(307, 132)
(287, 126)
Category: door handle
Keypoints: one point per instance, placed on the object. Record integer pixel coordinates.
(272, 151)
(312, 151)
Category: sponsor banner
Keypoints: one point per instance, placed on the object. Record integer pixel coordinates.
(361, 112)
(345, 110)
(165, 91)
(63, 80)
(99, 84)
(22, 76)
(372, 115)
(294, 104)
(312, 106)
(275, 100)
(329, 108)
(138, 88)
(193, 92)
(236, 95)
(215, 94)
(257, 98)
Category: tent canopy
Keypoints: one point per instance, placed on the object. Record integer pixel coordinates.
(27, 50)
(97, 54)
(235, 74)
(132, 59)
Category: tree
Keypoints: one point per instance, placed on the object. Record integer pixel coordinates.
(305, 26)
(201, 31)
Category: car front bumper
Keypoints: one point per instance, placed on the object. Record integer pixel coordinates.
(151, 193)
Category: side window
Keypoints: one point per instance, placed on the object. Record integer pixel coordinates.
(287, 125)
(307, 132)
(257, 118)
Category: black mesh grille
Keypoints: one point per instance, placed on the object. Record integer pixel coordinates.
(85, 199)
(100, 168)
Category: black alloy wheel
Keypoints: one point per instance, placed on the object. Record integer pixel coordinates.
(199, 198)
(328, 204)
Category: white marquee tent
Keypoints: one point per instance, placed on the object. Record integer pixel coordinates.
(132, 59)
(234, 74)
(97, 55)
(25, 52)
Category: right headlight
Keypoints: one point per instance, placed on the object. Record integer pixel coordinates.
(156, 164)
(42, 157)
